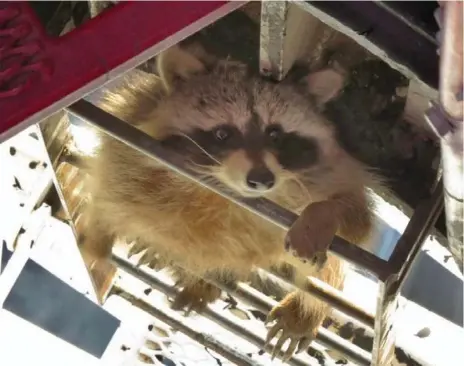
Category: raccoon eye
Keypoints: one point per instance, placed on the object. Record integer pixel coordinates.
(274, 132)
(221, 134)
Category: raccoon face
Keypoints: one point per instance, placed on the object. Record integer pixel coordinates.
(253, 161)
(248, 133)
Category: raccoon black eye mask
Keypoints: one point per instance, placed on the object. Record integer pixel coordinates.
(292, 150)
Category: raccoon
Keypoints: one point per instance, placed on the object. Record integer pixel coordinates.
(255, 137)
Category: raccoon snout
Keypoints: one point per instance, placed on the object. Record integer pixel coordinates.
(260, 179)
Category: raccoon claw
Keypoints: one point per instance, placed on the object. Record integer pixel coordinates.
(196, 297)
(136, 248)
(149, 259)
(182, 302)
(319, 260)
(297, 343)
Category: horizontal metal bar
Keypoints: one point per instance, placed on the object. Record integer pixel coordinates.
(257, 300)
(174, 320)
(260, 206)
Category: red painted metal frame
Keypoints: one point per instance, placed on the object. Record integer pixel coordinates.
(40, 75)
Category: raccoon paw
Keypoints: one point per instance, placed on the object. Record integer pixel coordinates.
(312, 233)
(292, 324)
(196, 297)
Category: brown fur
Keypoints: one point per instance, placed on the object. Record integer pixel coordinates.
(135, 198)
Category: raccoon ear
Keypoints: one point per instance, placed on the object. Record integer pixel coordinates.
(177, 63)
(324, 84)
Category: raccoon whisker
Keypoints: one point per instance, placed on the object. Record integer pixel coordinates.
(205, 171)
(205, 174)
(212, 180)
(201, 148)
(205, 177)
(200, 169)
(302, 186)
(207, 168)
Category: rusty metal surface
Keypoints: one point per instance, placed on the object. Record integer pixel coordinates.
(272, 36)
(286, 32)
(447, 121)
(97, 7)
(451, 58)
(453, 173)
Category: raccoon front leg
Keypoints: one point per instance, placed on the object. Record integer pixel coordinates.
(348, 215)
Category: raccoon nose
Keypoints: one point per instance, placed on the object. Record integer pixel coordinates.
(260, 178)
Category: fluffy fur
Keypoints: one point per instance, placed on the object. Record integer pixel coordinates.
(185, 226)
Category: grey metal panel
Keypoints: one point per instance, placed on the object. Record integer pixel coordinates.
(49, 303)
(432, 286)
